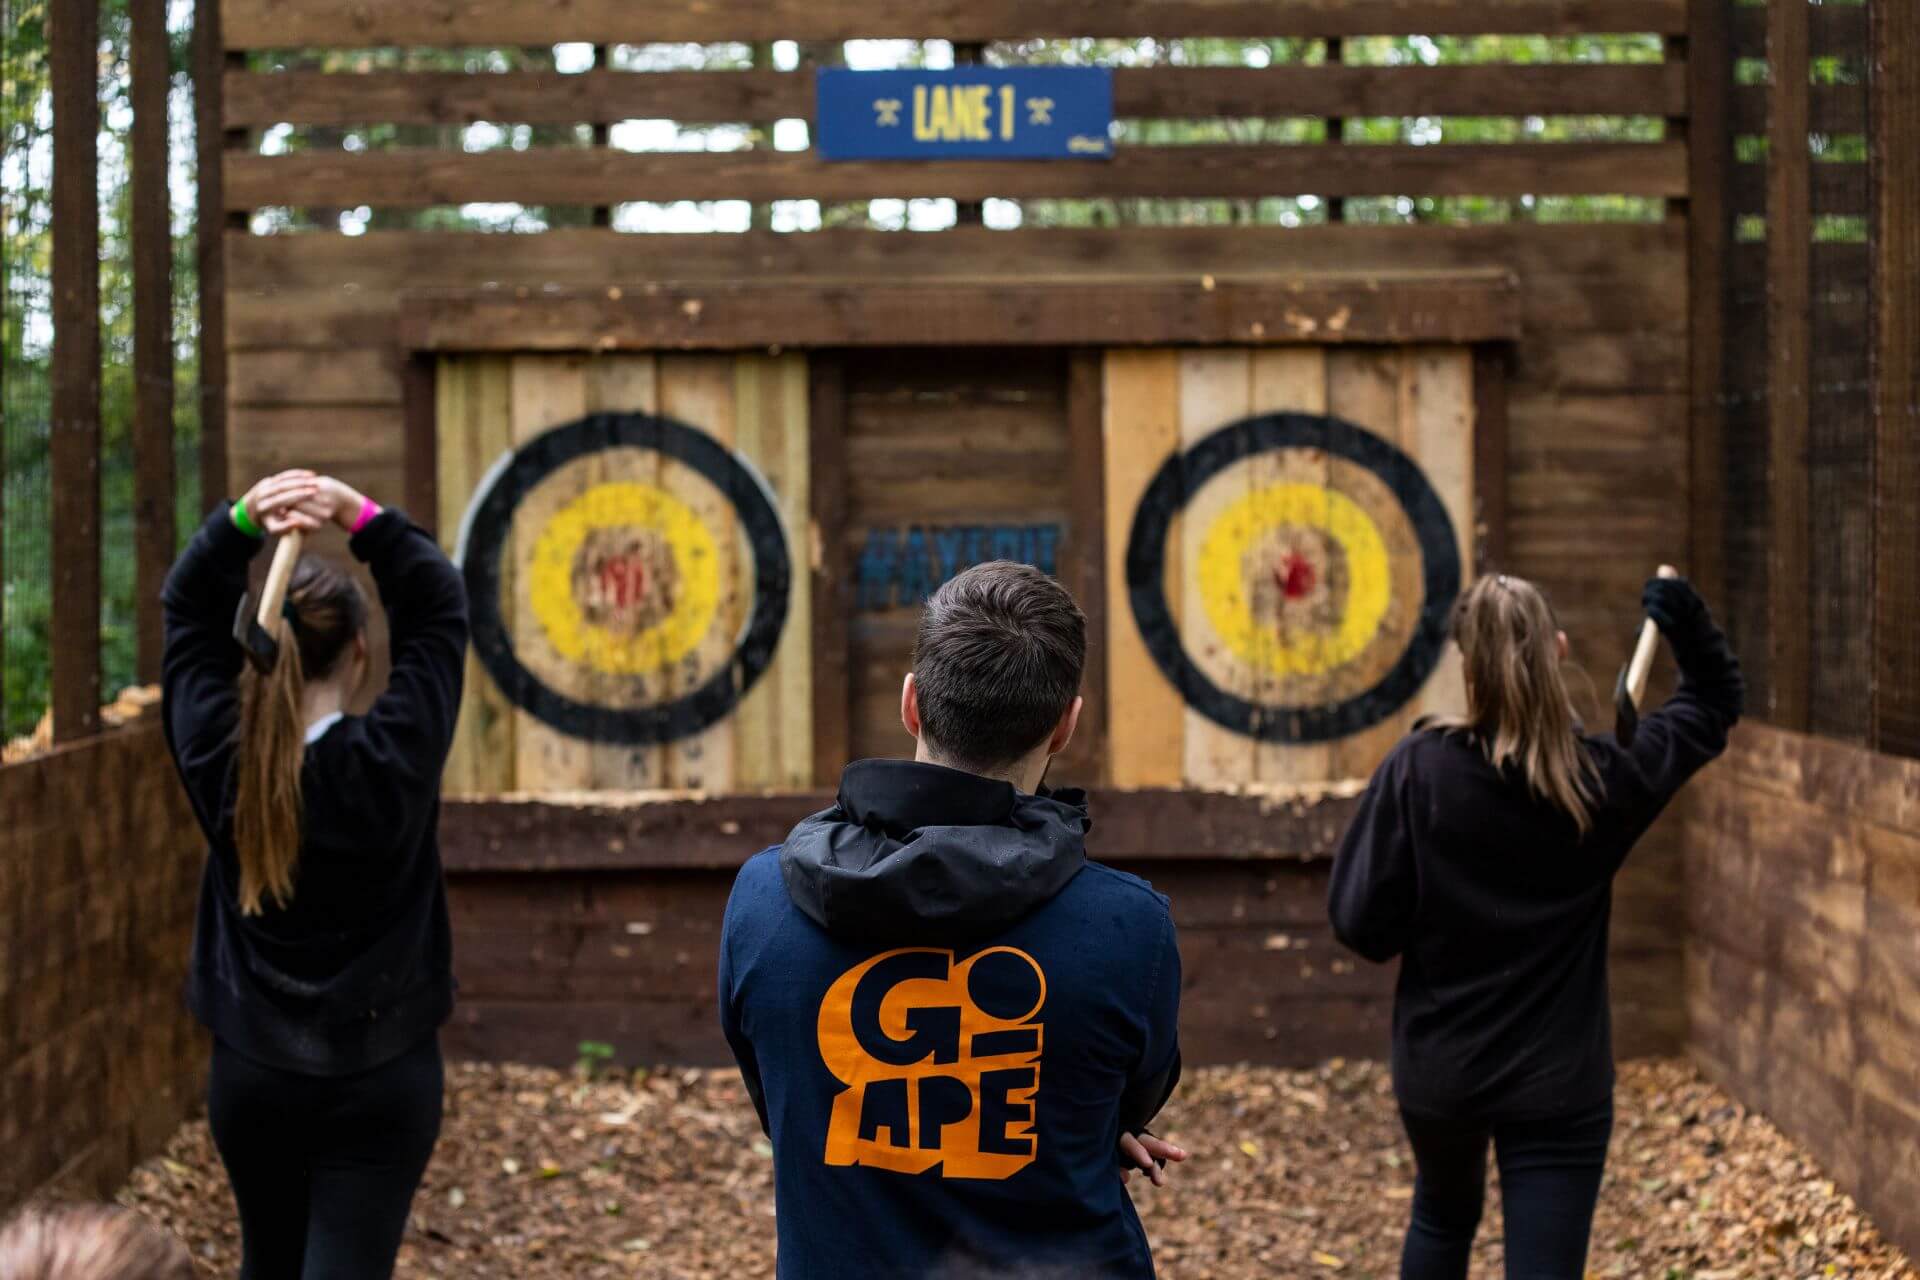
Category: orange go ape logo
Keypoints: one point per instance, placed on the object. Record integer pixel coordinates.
(941, 1062)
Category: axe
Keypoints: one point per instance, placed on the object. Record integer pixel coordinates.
(1631, 688)
(258, 633)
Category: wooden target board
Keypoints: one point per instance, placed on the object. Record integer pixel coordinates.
(629, 569)
(1288, 530)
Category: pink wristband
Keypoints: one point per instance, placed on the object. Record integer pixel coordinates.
(368, 510)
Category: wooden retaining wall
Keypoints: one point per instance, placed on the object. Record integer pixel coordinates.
(99, 872)
(599, 919)
(1803, 955)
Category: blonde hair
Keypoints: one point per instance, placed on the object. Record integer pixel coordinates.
(89, 1242)
(1517, 704)
(325, 611)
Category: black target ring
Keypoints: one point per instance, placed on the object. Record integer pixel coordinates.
(1183, 474)
(483, 543)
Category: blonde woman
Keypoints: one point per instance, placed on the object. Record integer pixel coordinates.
(321, 956)
(89, 1242)
(1483, 855)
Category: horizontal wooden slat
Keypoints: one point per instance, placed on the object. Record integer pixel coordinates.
(1836, 108)
(1452, 307)
(260, 99)
(1837, 188)
(1837, 29)
(1647, 258)
(659, 830)
(396, 179)
(344, 375)
(279, 24)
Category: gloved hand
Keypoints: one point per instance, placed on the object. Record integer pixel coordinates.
(1677, 609)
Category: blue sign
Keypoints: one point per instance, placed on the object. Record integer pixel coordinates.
(971, 112)
(900, 567)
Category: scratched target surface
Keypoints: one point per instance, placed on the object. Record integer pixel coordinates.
(1323, 562)
(597, 572)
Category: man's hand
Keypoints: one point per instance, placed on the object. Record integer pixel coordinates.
(1147, 1152)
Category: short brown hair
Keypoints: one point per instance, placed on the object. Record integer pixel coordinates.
(997, 662)
(89, 1242)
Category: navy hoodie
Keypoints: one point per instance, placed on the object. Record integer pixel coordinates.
(946, 1016)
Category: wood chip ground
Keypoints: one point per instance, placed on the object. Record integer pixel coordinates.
(1295, 1174)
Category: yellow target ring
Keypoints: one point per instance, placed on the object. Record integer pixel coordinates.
(1223, 590)
(550, 571)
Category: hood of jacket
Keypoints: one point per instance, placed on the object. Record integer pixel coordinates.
(914, 852)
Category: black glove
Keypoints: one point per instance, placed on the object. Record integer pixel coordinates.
(1677, 609)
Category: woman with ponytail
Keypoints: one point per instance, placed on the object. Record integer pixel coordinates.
(1483, 855)
(321, 960)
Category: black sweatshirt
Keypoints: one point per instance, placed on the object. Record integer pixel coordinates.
(1499, 909)
(357, 968)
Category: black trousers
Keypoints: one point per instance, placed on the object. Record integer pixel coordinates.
(1550, 1174)
(324, 1167)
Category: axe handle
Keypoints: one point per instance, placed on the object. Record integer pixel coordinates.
(286, 554)
(1642, 665)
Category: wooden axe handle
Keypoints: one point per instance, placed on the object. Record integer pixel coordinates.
(1642, 665)
(286, 554)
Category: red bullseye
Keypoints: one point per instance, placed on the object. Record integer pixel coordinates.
(1294, 577)
(622, 580)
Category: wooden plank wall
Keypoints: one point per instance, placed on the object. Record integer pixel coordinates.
(1803, 953)
(99, 1060)
(487, 405)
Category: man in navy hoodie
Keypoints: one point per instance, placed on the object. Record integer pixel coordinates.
(949, 1019)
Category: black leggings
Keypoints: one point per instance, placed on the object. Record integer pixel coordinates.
(324, 1167)
(1549, 1182)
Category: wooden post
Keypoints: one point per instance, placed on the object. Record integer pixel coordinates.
(831, 573)
(968, 213)
(153, 507)
(1491, 363)
(1709, 238)
(1789, 362)
(1083, 560)
(1336, 129)
(421, 445)
(1895, 155)
(74, 62)
(210, 226)
(602, 214)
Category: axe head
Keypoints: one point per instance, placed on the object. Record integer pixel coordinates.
(1626, 716)
(255, 641)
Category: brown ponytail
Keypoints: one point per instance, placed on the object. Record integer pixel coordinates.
(1517, 704)
(89, 1242)
(326, 610)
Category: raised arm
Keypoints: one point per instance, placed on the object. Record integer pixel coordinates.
(1690, 728)
(200, 663)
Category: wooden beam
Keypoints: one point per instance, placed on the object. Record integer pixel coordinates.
(154, 535)
(1834, 108)
(210, 227)
(1789, 364)
(275, 24)
(665, 831)
(1083, 560)
(1833, 186)
(1709, 236)
(1454, 307)
(1895, 77)
(573, 175)
(73, 37)
(1492, 370)
(261, 99)
(418, 391)
(1836, 28)
(829, 577)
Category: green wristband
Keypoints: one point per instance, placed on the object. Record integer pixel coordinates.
(244, 522)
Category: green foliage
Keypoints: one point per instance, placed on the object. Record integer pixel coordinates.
(596, 1057)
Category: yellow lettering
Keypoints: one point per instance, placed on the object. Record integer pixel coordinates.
(1006, 112)
(922, 129)
(941, 113)
(972, 112)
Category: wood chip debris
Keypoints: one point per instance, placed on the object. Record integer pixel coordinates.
(541, 1174)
